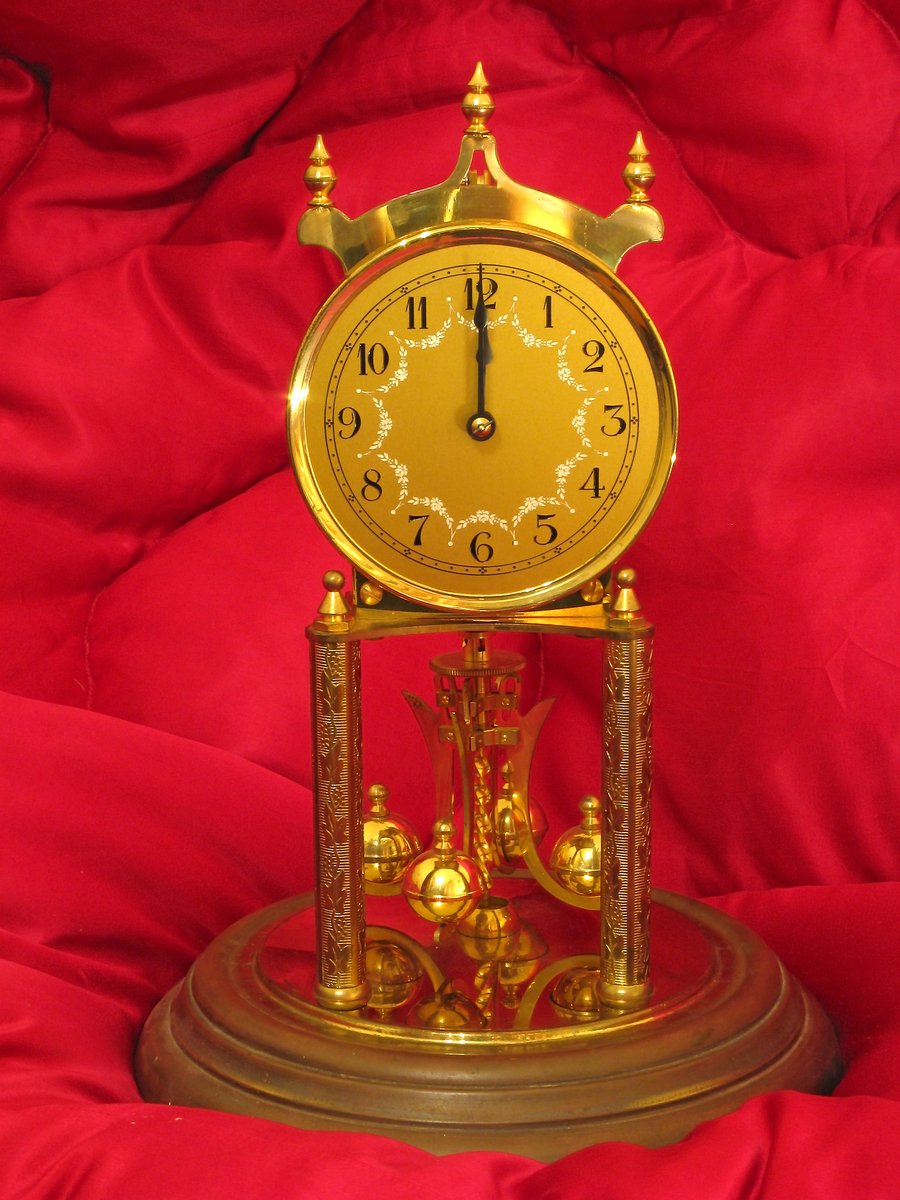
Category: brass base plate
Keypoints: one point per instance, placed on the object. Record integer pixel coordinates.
(724, 1022)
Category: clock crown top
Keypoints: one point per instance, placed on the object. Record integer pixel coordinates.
(460, 200)
(478, 104)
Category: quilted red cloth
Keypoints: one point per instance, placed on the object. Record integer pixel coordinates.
(158, 566)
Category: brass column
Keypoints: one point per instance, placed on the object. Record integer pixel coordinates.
(338, 805)
(627, 720)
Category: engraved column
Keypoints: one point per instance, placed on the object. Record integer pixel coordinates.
(338, 805)
(627, 719)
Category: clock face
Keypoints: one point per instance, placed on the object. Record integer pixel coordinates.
(482, 419)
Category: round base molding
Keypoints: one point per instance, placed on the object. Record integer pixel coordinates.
(725, 1021)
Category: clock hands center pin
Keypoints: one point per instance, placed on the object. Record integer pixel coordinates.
(481, 425)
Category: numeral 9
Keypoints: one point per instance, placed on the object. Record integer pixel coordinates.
(349, 421)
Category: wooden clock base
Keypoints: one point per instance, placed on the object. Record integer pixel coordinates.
(725, 1022)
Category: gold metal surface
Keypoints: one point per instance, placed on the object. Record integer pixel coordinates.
(337, 805)
(389, 843)
(479, 190)
(549, 427)
(243, 1033)
(444, 885)
(482, 417)
(577, 858)
(583, 413)
(627, 733)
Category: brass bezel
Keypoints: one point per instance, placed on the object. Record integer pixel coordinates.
(364, 275)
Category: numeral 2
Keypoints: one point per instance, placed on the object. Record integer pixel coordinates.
(593, 350)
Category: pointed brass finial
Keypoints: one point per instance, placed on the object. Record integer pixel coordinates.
(626, 604)
(333, 611)
(320, 177)
(477, 103)
(638, 174)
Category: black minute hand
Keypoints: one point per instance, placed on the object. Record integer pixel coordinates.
(481, 424)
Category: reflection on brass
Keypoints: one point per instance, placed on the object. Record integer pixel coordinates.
(490, 931)
(337, 794)
(393, 975)
(378, 934)
(480, 993)
(449, 1011)
(463, 197)
(576, 859)
(443, 885)
(389, 843)
(725, 1022)
(516, 829)
(627, 729)
(519, 965)
(578, 993)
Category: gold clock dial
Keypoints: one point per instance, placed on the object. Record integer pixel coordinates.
(482, 419)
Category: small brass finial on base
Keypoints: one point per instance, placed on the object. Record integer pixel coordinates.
(625, 604)
(477, 103)
(638, 174)
(334, 611)
(319, 176)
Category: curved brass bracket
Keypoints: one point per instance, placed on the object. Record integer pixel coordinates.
(479, 190)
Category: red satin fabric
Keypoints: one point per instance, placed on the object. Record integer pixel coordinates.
(158, 566)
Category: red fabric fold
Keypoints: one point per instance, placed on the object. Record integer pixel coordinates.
(158, 567)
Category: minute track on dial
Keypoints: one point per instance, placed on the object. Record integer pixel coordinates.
(415, 495)
(548, 369)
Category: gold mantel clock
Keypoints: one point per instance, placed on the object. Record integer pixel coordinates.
(482, 418)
